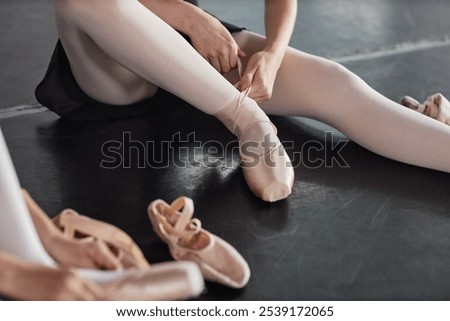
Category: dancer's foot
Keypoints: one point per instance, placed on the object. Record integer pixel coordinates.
(266, 166)
(436, 106)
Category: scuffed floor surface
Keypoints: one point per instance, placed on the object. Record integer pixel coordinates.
(375, 229)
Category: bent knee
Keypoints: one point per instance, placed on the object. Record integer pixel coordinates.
(68, 10)
(73, 10)
(341, 75)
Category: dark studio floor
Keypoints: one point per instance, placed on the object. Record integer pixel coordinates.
(378, 229)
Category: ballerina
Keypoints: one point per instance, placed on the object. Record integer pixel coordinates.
(119, 58)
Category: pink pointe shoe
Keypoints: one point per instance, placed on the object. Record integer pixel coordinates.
(218, 261)
(163, 281)
(267, 168)
(76, 226)
(270, 176)
(436, 106)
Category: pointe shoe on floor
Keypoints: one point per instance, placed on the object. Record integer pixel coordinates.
(436, 106)
(266, 166)
(218, 261)
(78, 226)
(163, 281)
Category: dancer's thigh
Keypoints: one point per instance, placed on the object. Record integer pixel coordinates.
(305, 83)
(100, 76)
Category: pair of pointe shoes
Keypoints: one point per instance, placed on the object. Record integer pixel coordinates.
(436, 106)
(269, 174)
(201, 255)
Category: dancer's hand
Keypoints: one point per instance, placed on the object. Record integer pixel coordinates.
(49, 284)
(215, 43)
(29, 281)
(260, 74)
(85, 253)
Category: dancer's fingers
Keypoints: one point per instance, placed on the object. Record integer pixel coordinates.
(247, 77)
(83, 290)
(215, 63)
(234, 58)
(104, 258)
(225, 65)
(91, 291)
(71, 286)
(100, 256)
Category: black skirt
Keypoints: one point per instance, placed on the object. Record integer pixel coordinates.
(59, 92)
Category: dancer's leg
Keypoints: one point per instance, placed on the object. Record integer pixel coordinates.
(125, 33)
(314, 87)
(114, 44)
(18, 235)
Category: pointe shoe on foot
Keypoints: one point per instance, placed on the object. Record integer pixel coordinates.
(163, 281)
(269, 175)
(436, 106)
(218, 261)
(78, 226)
(267, 168)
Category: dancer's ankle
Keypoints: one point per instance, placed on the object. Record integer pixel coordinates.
(242, 113)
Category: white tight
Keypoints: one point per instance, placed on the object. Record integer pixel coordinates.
(314, 87)
(18, 235)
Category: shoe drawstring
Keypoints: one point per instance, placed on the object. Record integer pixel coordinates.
(180, 222)
(242, 95)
